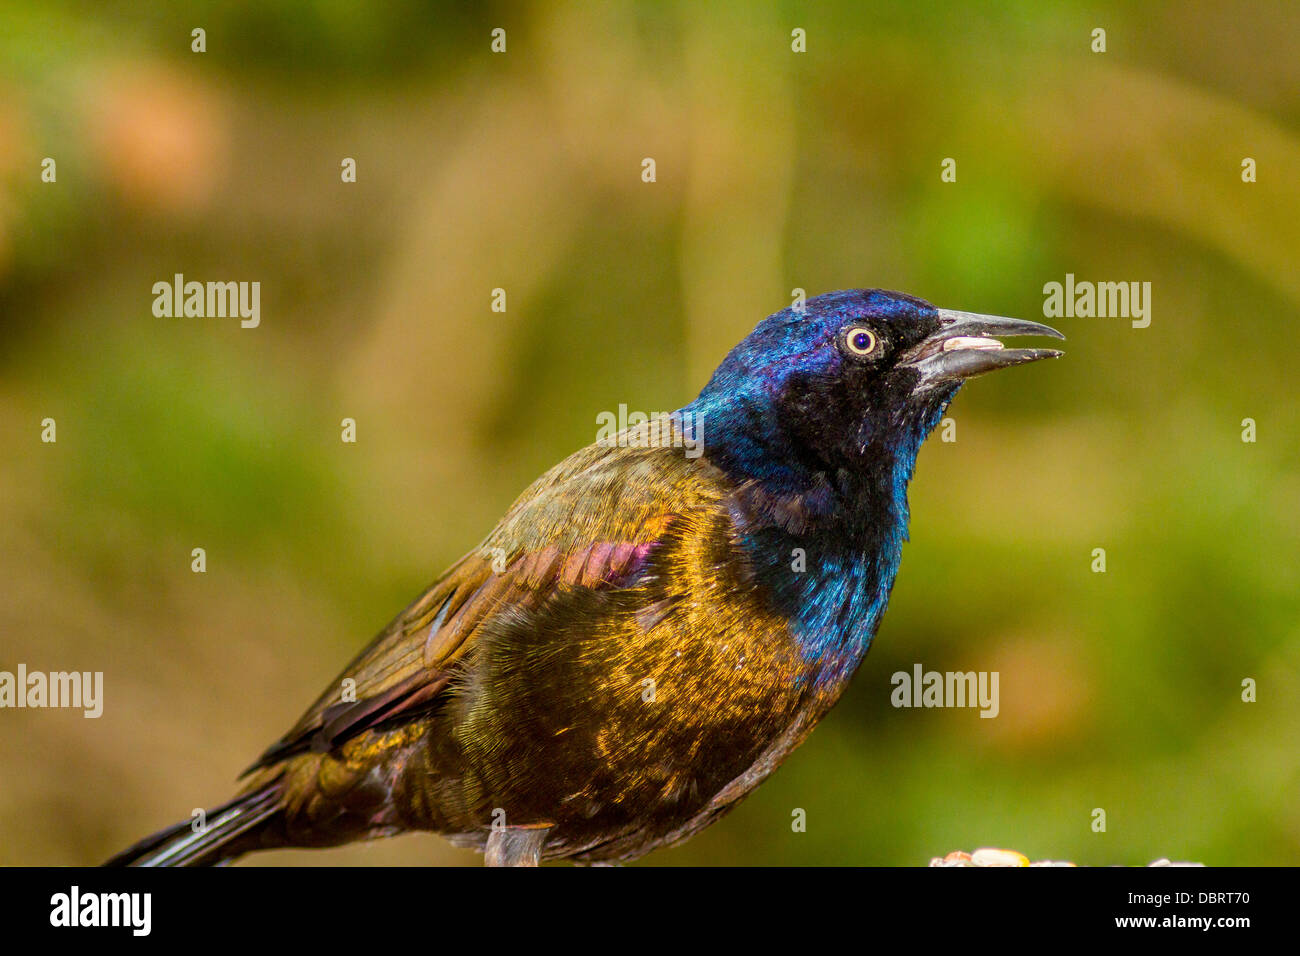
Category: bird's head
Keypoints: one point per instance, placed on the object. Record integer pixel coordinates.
(850, 382)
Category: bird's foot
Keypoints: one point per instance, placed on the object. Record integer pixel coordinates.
(515, 845)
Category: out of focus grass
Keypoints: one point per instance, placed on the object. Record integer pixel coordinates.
(775, 171)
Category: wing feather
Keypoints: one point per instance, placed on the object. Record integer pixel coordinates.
(590, 522)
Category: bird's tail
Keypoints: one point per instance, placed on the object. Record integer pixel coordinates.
(222, 838)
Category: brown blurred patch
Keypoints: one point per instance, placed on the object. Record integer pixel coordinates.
(15, 140)
(1061, 492)
(160, 137)
(1046, 691)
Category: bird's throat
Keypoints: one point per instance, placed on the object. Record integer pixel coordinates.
(831, 577)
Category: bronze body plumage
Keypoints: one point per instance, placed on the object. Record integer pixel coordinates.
(656, 712)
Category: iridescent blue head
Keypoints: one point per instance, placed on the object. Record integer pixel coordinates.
(832, 391)
(818, 416)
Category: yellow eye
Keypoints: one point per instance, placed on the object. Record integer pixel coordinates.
(859, 341)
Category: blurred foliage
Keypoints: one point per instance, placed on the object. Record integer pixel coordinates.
(775, 170)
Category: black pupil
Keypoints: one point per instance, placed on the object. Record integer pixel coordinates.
(861, 340)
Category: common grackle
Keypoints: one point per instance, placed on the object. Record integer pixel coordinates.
(647, 633)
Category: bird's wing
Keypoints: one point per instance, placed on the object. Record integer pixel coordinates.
(590, 522)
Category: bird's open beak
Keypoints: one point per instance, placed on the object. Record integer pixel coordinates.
(962, 347)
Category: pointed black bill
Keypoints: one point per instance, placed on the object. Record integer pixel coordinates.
(963, 347)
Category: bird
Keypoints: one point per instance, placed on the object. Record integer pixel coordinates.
(652, 627)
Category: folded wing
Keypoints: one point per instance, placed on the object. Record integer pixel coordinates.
(591, 522)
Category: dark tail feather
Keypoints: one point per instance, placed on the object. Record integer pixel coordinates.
(219, 841)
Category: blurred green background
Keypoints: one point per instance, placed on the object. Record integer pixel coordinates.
(775, 170)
